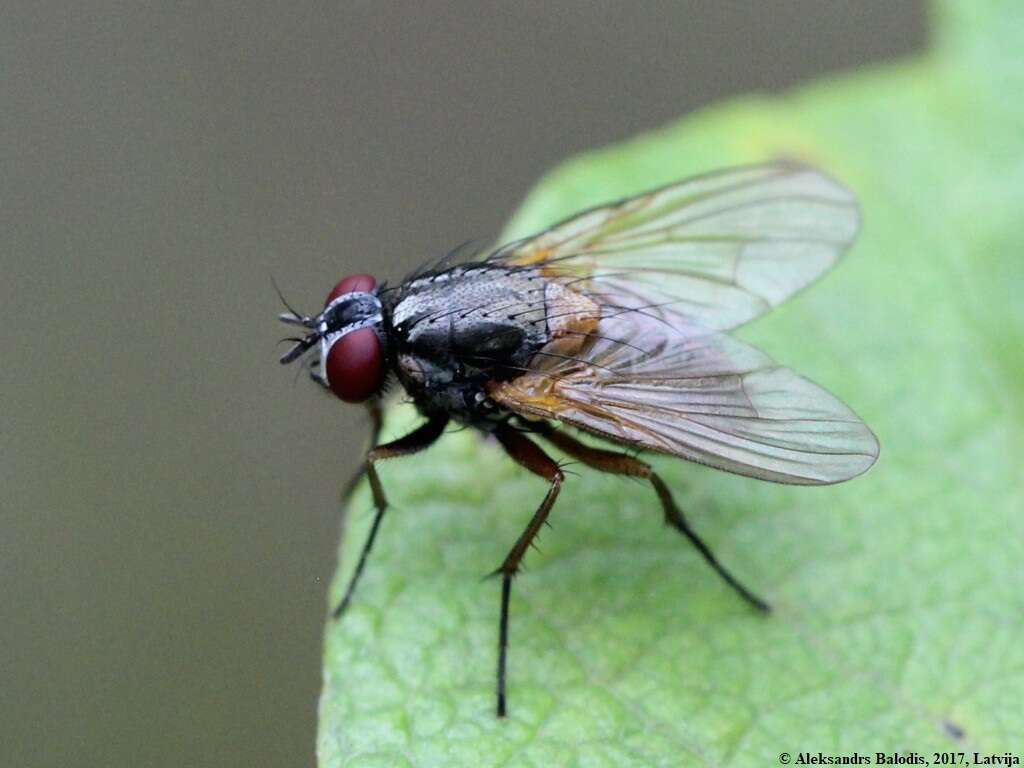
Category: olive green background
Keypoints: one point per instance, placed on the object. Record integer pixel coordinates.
(169, 515)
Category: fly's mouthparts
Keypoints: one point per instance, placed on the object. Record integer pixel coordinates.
(291, 317)
(301, 345)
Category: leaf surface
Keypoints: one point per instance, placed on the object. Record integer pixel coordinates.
(899, 596)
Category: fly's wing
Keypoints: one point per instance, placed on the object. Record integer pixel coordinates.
(703, 396)
(716, 250)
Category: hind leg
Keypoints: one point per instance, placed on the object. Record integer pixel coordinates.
(617, 463)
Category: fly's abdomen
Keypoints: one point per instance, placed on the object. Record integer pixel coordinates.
(571, 320)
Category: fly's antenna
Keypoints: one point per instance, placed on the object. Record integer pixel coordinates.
(292, 317)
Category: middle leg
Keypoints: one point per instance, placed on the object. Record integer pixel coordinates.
(529, 455)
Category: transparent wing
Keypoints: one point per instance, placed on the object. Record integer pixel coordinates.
(703, 396)
(716, 250)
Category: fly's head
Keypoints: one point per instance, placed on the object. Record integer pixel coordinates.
(348, 337)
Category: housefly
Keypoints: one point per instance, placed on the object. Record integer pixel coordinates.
(612, 322)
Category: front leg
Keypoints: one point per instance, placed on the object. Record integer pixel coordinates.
(421, 437)
(376, 414)
(526, 453)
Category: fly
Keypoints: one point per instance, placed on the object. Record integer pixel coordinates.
(612, 322)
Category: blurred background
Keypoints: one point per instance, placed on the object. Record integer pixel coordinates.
(170, 508)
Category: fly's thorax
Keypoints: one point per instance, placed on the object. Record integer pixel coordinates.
(478, 309)
(484, 313)
(456, 332)
(470, 292)
(456, 335)
(533, 299)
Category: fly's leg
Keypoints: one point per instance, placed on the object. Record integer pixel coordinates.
(420, 438)
(529, 455)
(376, 421)
(617, 463)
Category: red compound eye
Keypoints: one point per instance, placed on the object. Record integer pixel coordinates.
(350, 284)
(355, 365)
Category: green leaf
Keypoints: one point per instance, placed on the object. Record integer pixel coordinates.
(899, 596)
